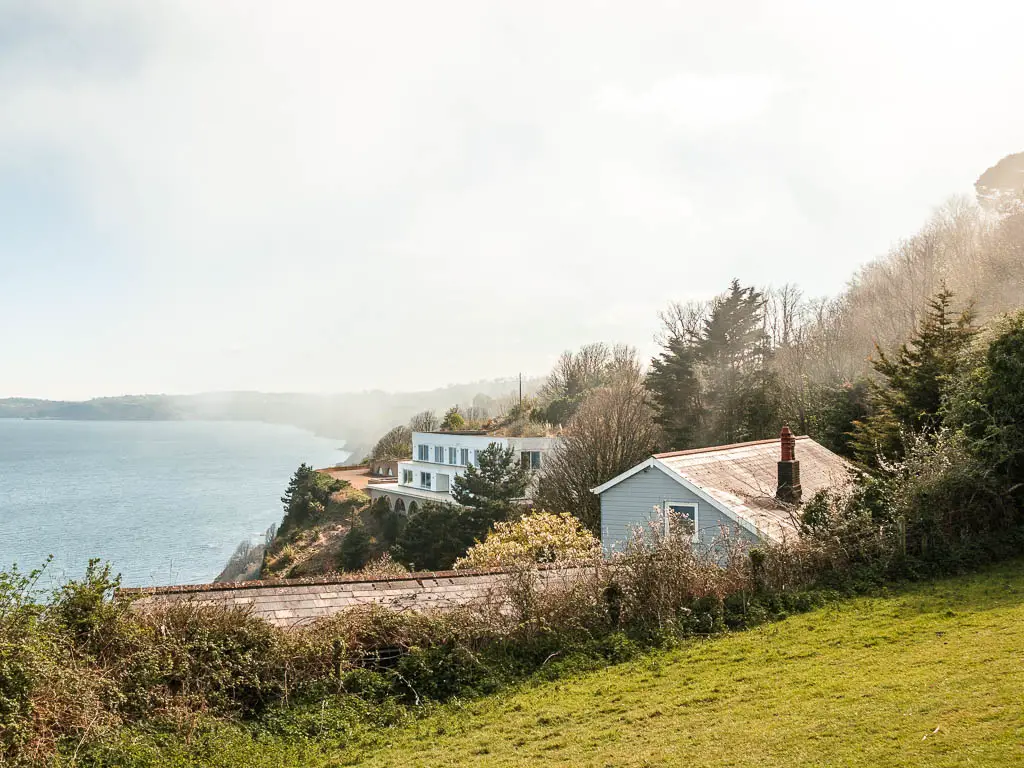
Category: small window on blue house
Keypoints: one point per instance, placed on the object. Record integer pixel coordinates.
(423, 452)
(452, 454)
(438, 454)
(425, 479)
(464, 458)
(680, 518)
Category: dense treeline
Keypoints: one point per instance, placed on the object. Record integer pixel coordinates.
(863, 373)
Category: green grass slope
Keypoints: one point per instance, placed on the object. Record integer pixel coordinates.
(930, 676)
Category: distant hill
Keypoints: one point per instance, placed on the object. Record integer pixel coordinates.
(357, 417)
(129, 408)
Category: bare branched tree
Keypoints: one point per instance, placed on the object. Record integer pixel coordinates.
(424, 421)
(576, 372)
(611, 432)
(396, 444)
(682, 320)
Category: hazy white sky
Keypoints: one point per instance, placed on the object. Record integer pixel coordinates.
(327, 196)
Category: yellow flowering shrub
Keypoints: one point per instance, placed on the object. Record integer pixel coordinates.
(539, 537)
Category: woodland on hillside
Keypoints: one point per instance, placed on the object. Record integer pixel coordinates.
(864, 373)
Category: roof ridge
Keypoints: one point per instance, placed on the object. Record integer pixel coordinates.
(713, 448)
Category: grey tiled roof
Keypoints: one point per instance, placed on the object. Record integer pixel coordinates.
(294, 602)
(744, 478)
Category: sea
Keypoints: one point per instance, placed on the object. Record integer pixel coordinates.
(164, 502)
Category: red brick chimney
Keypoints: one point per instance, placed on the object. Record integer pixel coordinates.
(788, 489)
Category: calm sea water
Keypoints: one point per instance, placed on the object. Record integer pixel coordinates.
(164, 502)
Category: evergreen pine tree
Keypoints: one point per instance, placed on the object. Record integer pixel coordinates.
(714, 384)
(735, 348)
(307, 495)
(493, 483)
(909, 396)
(675, 385)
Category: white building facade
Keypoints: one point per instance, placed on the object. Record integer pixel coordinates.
(439, 457)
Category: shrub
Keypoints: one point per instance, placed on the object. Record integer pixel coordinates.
(215, 657)
(23, 658)
(438, 534)
(385, 522)
(453, 420)
(987, 402)
(85, 607)
(383, 567)
(443, 671)
(660, 576)
(355, 548)
(618, 647)
(539, 537)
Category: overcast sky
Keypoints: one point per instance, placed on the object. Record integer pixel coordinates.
(302, 196)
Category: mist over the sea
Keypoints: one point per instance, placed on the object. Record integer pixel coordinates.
(164, 502)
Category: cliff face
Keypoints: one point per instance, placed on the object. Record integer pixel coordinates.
(244, 564)
(312, 548)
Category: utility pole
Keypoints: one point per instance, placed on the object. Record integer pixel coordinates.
(520, 391)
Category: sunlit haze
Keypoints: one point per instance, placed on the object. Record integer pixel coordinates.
(334, 196)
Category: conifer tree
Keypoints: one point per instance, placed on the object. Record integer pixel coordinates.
(735, 348)
(676, 389)
(909, 396)
(453, 420)
(713, 382)
(307, 495)
(493, 483)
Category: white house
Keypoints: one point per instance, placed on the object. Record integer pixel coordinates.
(751, 490)
(439, 457)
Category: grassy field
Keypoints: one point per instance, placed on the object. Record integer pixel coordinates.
(930, 676)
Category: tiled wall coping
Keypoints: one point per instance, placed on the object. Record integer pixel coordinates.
(332, 578)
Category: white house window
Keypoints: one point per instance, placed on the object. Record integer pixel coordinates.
(406, 477)
(530, 459)
(425, 479)
(679, 516)
(452, 455)
(423, 452)
(464, 458)
(443, 482)
(438, 454)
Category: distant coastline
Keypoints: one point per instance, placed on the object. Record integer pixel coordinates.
(357, 418)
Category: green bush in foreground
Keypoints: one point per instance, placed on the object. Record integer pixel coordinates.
(85, 679)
